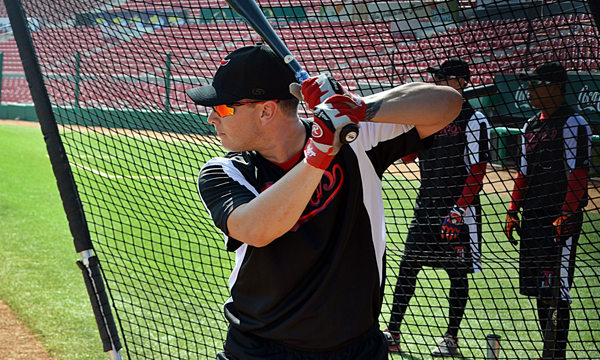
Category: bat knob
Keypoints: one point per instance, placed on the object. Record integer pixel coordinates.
(349, 133)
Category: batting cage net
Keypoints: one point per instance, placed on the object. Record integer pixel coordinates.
(115, 74)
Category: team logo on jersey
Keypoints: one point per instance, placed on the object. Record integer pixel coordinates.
(450, 130)
(225, 62)
(547, 279)
(329, 187)
(537, 136)
(316, 132)
(460, 253)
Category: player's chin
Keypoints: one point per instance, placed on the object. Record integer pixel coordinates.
(230, 145)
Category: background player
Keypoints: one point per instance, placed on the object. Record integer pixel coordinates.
(303, 213)
(445, 231)
(551, 189)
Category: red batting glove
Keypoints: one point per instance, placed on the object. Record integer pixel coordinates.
(512, 224)
(330, 118)
(453, 223)
(563, 225)
(316, 90)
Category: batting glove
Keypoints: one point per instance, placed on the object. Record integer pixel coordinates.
(453, 223)
(564, 225)
(512, 223)
(330, 118)
(317, 89)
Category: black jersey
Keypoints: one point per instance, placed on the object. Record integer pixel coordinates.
(319, 285)
(551, 149)
(445, 166)
(444, 170)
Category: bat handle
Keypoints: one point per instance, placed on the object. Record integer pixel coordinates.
(349, 133)
(301, 75)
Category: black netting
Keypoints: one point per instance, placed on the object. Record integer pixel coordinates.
(116, 73)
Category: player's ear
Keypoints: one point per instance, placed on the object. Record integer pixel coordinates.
(555, 89)
(268, 112)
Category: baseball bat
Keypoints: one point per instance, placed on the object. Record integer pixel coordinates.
(251, 13)
(479, 91)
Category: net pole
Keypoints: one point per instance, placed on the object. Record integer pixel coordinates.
(64, 178)
(77, 77)
(168, 83)
(1, 73)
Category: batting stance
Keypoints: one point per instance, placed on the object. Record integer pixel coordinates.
(551, 191)
(303, 213)
(445, 231)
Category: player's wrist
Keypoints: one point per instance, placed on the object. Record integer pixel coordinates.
(318, 155)
(361, 106)
(458, 211)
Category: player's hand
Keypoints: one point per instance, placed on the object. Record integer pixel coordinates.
(330, 118)
(512, 224)
(564, 225)
(454, 221)
(315, 90)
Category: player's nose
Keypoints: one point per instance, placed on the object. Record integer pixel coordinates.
(213, 118)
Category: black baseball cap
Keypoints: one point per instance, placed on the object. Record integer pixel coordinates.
(452, 67)
(553, 72)
(251, 72)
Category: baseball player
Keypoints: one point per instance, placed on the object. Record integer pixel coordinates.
(551, 191)
(302, 212)
(446, 229)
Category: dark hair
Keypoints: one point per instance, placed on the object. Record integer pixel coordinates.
(289, 106)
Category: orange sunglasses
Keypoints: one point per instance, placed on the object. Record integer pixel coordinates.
(227, 110)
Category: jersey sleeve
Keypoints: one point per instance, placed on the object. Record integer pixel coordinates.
(478, 135)
(523, 160)
(578, 143)
(223, 188)
(386, 143)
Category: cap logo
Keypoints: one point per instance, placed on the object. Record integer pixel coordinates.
(317, 132)
(225, 62)
(258, 91)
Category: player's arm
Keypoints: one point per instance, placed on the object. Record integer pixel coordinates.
(477, 134)
(577, 142)
(277, 209)
(517, 195)
(426, 106)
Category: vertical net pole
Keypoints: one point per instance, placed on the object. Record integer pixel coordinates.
(64, 177)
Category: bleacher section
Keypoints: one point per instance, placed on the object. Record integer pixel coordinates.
(11, 60)
(352, 52)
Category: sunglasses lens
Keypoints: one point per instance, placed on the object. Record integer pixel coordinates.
(223, 110)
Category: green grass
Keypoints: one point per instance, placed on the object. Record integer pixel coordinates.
(164, 264)
(39, 279)
(495, 305)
